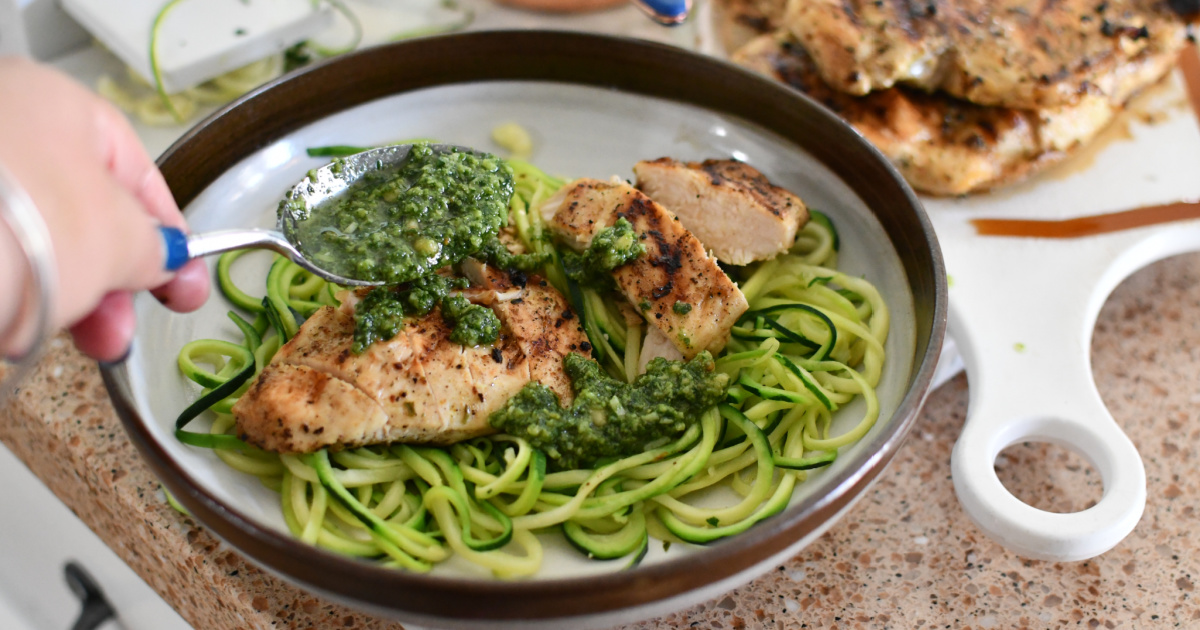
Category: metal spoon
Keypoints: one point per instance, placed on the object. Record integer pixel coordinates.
(319, 185)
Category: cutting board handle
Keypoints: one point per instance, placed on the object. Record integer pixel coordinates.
(1024, 328)
(1036, 533)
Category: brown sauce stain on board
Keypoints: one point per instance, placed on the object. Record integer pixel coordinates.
(1189, 65)
(1088, 225)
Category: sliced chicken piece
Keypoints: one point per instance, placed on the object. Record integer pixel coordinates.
(656, 345)
(418, 387)
(629, 315)
(675, 270)
(732, 208)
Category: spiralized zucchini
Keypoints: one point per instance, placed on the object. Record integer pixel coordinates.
(812, 341)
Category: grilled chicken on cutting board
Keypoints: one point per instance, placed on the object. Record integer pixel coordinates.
(731, 207)
(674, 269)
(1025, 54)
(943, 145)
(417, 387)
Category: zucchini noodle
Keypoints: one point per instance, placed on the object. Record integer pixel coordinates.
(811, 342)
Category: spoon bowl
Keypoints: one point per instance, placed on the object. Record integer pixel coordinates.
(319, 186)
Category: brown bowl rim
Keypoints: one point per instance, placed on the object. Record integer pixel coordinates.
(281, 106)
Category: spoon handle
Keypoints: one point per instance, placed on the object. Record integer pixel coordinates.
(182, 248)
(226, 240)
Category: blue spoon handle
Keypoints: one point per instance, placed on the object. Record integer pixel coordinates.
(666, 12)
(177, 247)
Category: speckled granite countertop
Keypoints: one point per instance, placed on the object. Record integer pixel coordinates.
(905, 557)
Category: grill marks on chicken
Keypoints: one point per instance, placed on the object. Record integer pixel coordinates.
(943, 145)
(964, 95)
(417, 387)
(1025, 54)
(674, 269)
(731, 207)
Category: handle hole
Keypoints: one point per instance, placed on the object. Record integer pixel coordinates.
(1049, 477)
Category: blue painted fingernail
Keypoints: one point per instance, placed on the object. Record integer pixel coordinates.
(177, 248)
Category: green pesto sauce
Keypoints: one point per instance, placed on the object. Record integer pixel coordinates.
(379, 316)
(496, 254)
(611, 418)
(612, 247)
(396, 225)
(681, 308)
(474, 325)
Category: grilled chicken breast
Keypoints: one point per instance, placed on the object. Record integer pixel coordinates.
(942, 145)
(539, 321)
(417, 387)
(674, 270)
(1024, 54)
(731, 207)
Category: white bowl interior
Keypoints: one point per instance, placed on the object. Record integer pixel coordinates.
(578, 131)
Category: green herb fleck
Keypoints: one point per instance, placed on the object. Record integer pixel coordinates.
(712, 520)
(681, 308)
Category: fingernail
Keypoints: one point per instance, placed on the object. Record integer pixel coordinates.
(175, 242)
(162, 296)
(105, 365)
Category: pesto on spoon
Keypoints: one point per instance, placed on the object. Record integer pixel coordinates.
(384, 216)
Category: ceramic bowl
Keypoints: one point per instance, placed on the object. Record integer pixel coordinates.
(594, 105)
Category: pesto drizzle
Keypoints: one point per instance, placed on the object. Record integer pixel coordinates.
(496, 254)
(611, 418)
(612, 247)
(380, 314)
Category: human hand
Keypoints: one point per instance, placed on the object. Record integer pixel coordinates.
(102, 200)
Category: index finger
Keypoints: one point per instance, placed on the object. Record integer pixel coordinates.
(133, 169)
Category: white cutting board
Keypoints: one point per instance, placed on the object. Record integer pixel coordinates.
(1022, 311)
(199, 39)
